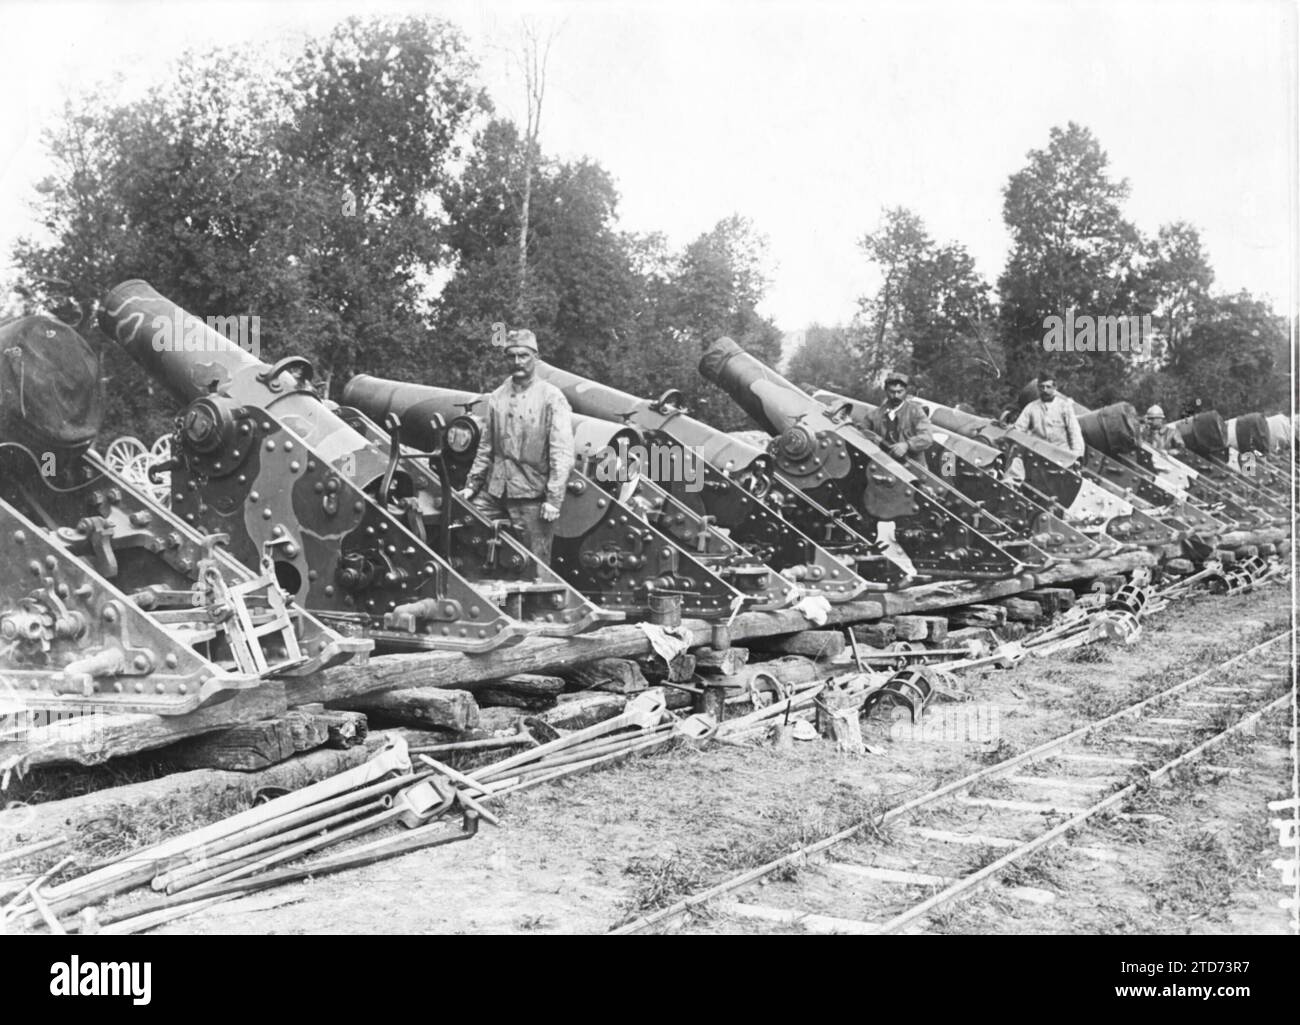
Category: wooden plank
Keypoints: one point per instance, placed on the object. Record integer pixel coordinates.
(912, 628)
(874, 635)
(679, 670)
(1051, 599)
(1021, 610)
(531, 683)
(255, 745)
(816, 644)
(876, 874)
(966, 839)
(724, 661)
(531, 691)
(1090, 569)
(946, 594)
(936, 628)
(191, 790)
(575, 711)
(493, 697)
(421, 707)
(108, 736)
(542, 654)
(127, 734)
(1033, 807)
(822, 925)
(619, 675)
(987, 616)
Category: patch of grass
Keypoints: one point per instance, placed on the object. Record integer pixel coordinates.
(1040, 869)
(995, 787)
(998, 751)
(812, 825)
(127, 829)
(958, 917)
(1202, 881)
(1089, 654)
(662, 881)
(1092, 702)
(531, 923)
(61, 782)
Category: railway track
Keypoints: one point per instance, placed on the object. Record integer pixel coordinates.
(1001, 815)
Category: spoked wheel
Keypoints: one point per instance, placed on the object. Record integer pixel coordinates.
(123, 452)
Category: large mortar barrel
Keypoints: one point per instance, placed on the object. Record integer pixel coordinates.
(1113, 429)
(50, 391)
(718, 448)
(415, 406)
(1205, 434)
(1250, 433)
(770, 400)
(192, 360)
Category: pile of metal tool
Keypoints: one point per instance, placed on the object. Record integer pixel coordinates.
(279, 841)
(240, 854)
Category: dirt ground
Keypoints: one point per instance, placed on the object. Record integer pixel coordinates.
(586, 854)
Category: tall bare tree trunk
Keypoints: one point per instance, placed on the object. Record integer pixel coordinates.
(535, 55)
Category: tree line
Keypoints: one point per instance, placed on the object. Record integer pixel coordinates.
(366, 201)
(363, 198)
(962, 340)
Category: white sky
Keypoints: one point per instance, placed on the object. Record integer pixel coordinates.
(809, 117)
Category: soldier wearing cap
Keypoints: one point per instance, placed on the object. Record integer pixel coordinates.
(901, 423)
(1158, 434)
(525, 453)
(1051, 417)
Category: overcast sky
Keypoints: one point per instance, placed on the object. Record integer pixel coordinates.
(809, 117)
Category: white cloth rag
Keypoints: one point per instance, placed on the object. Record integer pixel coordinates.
(668, 644)
(814, 608)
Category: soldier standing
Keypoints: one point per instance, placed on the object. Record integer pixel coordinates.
(902, 424)
(525, 453)
(1051, 417)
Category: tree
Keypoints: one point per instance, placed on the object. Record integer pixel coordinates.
(382, 113)
(582, 292)
(304, 193)
(827, 358)
(714, 290)
(930, 317)
(178, 189)
(897, 249)
(534, 55)
(1071, 248)
(1230, 358)
(1175, 284)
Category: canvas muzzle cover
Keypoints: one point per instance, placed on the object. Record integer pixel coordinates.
(49, 383)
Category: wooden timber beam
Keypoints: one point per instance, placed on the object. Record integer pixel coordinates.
(116, 735)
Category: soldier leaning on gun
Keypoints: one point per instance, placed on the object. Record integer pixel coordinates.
(1051, 417)
(902, 424)
(525, 453)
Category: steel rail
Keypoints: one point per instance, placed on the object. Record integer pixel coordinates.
(683, 906)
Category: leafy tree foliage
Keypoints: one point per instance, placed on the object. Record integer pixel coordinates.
(304, 194)
(1175, 285)
(714, 290)
(1234, 358)
(931, 317)
(1071, 248)
(828, 357)
(582, 291)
